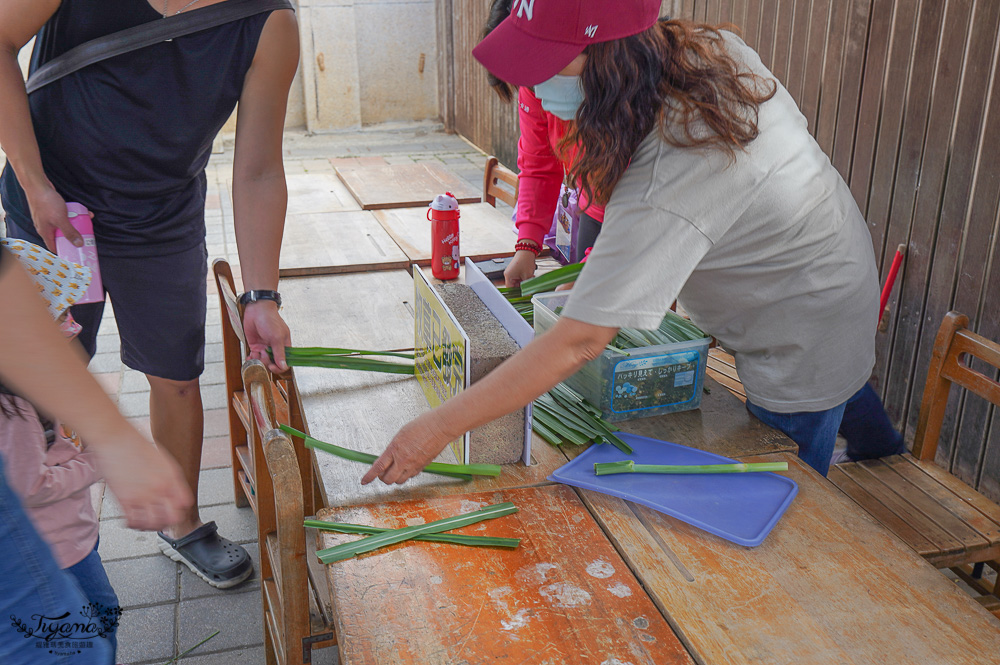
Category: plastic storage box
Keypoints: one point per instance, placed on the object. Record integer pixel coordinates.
(647, 381)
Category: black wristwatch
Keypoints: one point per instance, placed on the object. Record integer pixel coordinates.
(253, 296)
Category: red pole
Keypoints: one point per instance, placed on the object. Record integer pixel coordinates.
(891, 278)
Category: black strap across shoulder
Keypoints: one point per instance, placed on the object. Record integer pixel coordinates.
(147, 34)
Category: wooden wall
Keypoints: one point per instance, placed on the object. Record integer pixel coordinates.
(904, 97)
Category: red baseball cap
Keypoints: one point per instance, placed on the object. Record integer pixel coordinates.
(541, 37)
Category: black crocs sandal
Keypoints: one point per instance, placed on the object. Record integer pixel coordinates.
(220, 562)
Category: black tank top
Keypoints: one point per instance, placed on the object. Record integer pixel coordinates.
(129, 137)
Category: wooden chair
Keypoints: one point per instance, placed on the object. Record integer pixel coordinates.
(494, 174)
(935, 513)
(234, 351)
(297, 614)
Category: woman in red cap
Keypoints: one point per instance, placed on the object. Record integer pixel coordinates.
(717, 196)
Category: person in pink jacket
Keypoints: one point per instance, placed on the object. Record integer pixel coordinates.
(542, 166)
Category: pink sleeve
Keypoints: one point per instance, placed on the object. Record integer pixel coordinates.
(541, 172)
(22, 443)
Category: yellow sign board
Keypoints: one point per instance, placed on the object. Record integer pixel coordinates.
(441, 352)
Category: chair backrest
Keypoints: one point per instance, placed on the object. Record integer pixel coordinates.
(494, 174)
(228, 301)
(954, 344)
(280, 515)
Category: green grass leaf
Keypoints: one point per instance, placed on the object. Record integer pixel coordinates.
(393, 536)
(629, 466)
(454, 538)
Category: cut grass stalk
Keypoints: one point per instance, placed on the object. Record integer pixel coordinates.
(393, 536)
(354, 359)
(463, 471)
(454, 538)
(333, 351)
(629, 466)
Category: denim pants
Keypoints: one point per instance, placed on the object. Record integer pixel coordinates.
(93, 581)
(44, 617)
(861, 420)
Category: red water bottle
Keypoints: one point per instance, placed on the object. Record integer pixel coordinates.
(443, 214)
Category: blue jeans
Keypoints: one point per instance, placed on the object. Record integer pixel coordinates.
(93, 581)
(861, 420)
(39, 601)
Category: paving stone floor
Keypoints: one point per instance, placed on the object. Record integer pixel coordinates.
(167, 608)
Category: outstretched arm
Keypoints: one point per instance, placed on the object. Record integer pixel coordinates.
(38, 363)
(260, 196)
(549, 359)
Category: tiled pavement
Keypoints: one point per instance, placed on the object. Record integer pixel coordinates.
(167, 608)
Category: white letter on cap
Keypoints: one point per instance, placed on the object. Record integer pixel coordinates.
(526, 6)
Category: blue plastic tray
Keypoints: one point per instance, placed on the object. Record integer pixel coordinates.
(741, 507)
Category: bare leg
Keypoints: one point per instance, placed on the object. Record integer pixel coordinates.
(177, 423)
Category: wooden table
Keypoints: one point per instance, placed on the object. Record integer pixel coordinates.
(335, 242)
(376, 186)
(484, 232)
(563, 596)
(829, 585)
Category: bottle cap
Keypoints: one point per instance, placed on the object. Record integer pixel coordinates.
(445, 201)
(79, 217)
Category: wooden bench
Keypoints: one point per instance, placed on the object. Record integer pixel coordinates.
(942, 518)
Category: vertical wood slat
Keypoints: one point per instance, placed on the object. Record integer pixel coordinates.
(798, 49)
(850, 86)
(870, 108)
(956, 223)
(930, 108)
(783, 38)
(833, 60)
(765, 36)
(815, 52)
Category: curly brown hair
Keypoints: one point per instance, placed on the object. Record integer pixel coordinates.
(676, 76)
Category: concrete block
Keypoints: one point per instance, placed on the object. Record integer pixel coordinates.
(236, 615)
(146, 634)
(150, 580)
(502, 440)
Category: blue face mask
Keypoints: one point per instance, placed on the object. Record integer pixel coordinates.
(561, 95)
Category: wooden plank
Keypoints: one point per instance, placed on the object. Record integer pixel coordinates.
(814, 54)
(926, 499)
(485, 232)
(973, 197)
(563, 596)
(738, 15)
(784, 19)
(886, 239)
(876, 509)
(362, 410)
(326, 243)
(318, 192)
(923, 167)
(798, 50)
(751, 26)
(943, 541)
(826, 119)
(852, 75)
(734, 387)
(870, 105)
(789, 601)
(907, 468)
(377, 187)
(987, 507)
(768, 23)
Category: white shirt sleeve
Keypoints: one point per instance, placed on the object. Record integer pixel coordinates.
(640, 262)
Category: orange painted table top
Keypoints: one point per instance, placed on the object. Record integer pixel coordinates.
(564, 596)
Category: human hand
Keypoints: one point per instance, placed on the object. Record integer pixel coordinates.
(146, 481)
(48, 212)
(264, 328)
(414, 447)
(521, 267)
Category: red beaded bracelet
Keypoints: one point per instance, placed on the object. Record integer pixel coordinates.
(528, 245)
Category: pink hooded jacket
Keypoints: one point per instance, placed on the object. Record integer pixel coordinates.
(542, 171)
(53, 483)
